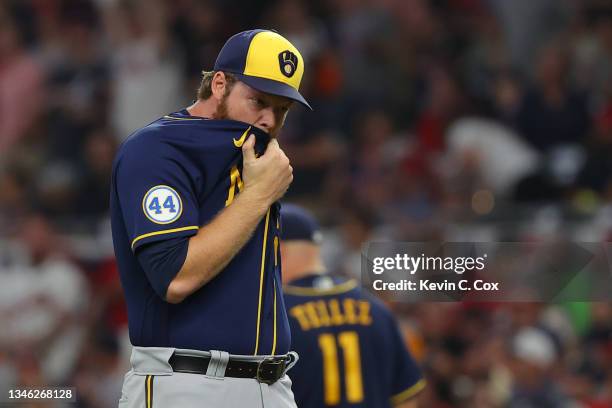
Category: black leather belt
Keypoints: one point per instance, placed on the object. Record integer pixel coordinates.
(268, 371)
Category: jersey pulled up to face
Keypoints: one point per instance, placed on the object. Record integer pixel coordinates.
(169, 179)
(352, 354)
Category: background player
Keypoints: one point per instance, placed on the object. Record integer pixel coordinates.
(195, 228)
(352, 352)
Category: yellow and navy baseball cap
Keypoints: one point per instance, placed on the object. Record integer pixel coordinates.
(266, 61)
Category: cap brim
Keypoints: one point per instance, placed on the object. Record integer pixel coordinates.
(273, 87)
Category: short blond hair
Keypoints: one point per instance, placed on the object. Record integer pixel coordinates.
(205, 90)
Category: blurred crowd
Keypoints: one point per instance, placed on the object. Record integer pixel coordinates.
(434, 120)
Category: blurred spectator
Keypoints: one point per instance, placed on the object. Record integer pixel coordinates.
(507, 95)
(78, 79)
(42, 299)
(146, 71)
(415, 196)
(593, 51)
(376, 150)
(553, 112)
(21, 85)
(534, 355)
(597, 171)
(343, 249)
(485, 59)
(362, 30)
(502, 157)
(56, 189)
(13, 197)
(442, 104)
(95, 173)
(199, 29)
(528, 25)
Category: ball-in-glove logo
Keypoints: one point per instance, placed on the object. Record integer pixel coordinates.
(288, 63)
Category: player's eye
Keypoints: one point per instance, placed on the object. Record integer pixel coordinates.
(258, 102)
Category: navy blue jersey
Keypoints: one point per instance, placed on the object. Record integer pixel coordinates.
(352, 354)
(169, 179)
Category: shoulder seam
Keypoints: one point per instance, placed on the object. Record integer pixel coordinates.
(408, 392)
(168, 231)
(308, 291)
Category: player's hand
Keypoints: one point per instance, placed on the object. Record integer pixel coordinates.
(268, 176)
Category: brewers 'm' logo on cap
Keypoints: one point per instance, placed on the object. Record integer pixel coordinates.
(288, 63)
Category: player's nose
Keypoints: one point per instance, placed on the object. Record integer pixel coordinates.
(267, 120)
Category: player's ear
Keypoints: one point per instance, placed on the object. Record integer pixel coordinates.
(217, 85)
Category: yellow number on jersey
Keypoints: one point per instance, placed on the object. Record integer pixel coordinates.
(349, 342)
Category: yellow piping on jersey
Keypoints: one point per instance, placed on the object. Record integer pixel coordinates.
(274, 341)
(261, 279)
(303, 291)
(172, 117)
(408, 393)
(168, 231)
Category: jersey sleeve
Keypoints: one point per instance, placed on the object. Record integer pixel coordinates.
(161, 261)
(407, 377)
(156, 193)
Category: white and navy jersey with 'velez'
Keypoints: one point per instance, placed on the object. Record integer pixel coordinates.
(352, 354)
(169, 179)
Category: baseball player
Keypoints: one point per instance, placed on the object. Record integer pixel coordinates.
(195, 224)
(352, 352)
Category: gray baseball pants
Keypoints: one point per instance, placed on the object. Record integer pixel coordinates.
(151, 383)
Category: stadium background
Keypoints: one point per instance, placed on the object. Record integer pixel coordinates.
(434, 120)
